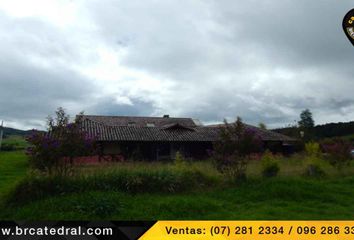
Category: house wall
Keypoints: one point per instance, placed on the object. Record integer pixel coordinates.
(111, 148)
(156, 150)
(281, 147)
(164, 151)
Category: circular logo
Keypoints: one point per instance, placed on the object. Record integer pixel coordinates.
(348, 25)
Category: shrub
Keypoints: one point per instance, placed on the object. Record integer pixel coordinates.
(233, 149)
(8, 147)
(314, 166)
(313, 160)
(180, 162)
(54, 152)
(337, 151)
(313, 149)
(270, 165)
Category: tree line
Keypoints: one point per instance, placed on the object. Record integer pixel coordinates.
(306, 127)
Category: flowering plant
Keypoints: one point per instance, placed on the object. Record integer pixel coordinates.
(235, 146)
(54, 151)
(337, 151)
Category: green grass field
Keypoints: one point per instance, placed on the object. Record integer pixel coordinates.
(13, 166)
(270, 199)
(287, 196)
(18, 142)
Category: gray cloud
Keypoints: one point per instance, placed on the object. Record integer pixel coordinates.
(29, 93)
(109, 106)
(228, 45)
(264, 61)
(35, 76)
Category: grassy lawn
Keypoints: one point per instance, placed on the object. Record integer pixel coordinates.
(277, 198)
(288, 196)
(13, 166)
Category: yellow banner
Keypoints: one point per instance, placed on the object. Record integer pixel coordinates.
(246, 230)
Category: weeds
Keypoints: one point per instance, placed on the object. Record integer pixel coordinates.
(163, 180)
(270, 165)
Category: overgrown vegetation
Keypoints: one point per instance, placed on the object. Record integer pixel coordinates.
(337, 151)
(253, 199)
(313, 160)
(164, 179)
(232, 152)
(141, 190)
(270, 164)
(54, 152)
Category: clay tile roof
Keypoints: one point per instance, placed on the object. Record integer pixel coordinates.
(265, 135)
(139, 121)
(121, 128)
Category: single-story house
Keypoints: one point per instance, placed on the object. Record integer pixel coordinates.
(157, 138)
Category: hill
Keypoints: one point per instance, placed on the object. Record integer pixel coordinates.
(17, 132)
(328, 130)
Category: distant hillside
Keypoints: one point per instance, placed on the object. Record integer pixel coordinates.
(323, 131)
(13, 131)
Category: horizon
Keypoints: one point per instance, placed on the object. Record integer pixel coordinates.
(220, 122)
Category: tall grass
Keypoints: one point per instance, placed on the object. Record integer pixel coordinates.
(296, 164)
(131, 178)
(193, 190)
(155, 177)
(276, 198)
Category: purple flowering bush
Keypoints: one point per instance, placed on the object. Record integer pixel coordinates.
(337, 151)
(54, 152)
(236, 145)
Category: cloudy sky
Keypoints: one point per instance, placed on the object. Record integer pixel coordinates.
(265, 61)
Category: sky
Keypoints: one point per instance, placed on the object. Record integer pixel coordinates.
(264, 61)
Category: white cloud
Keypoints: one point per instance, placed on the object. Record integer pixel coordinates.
(59, 12)
(203, 59)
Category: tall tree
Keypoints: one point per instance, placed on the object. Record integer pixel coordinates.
(306, 121)
(262, 126)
